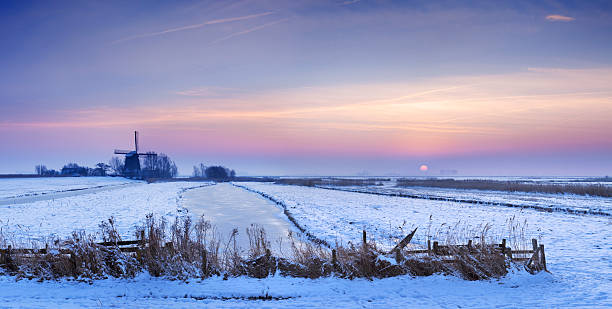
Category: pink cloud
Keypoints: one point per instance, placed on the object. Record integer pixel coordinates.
(555, 17)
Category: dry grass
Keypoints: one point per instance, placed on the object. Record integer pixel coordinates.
(509, 186)
(186, 250)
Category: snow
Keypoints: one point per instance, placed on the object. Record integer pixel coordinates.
(578, 247)
(553, 202)
(18, 187)
(518, 291)
(578, 250)
(40, 220)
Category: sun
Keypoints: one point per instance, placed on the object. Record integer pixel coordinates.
(424, 168)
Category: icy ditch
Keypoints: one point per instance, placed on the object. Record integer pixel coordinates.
(20, 187)
(570, 203)
(229, 208)
(58, 218)
(577, 246)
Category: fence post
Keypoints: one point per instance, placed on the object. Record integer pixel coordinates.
(435, 248)
(73, 260)
(398, 256)
(469, 245)
(365, 240)
(534, 244)
(503, 246)
(7, 255)
(429, 246)
(543, 257)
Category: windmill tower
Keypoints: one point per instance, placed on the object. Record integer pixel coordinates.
(132, 159)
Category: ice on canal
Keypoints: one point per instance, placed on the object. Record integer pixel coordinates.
(228, 207)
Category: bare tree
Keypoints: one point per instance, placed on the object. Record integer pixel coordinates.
(160, 166)
(116, 165)
(196, 171)
(199, 170)
(41, 170)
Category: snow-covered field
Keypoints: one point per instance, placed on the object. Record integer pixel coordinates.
(578, 247)
(60, 217)
(553, 202)
(18, 187)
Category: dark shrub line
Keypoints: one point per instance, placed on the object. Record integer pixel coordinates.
(509, 186)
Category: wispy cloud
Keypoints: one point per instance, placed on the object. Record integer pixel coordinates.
(250, 30)
(439, 116)
(349, 2)
(559, 18)
(211, 91)
(195, 26)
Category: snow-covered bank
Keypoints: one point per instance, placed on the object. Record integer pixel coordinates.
(518, 290)
(60, 217)
(18, 187)
(577, 246)
(540, 201)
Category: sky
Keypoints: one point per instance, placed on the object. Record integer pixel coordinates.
(363, 87)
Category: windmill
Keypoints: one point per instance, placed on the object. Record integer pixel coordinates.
(132, 159)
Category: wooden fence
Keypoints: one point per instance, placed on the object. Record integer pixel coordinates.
(534, 259)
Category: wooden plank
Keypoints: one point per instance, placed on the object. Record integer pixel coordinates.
(119, 243)
(533, 258)
(543, 257)
(416, 251)
(522, 251)
(404, 242)
(520, 259)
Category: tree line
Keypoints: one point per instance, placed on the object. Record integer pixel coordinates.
(73, 169)
(160, 166)
(216, 172)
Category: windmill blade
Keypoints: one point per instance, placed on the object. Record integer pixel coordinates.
(119, 151)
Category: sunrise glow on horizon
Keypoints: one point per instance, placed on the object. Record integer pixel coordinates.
(311, 88)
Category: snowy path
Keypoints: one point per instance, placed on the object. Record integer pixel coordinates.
(229, 207)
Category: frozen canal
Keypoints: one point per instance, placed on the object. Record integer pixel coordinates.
(228, 207)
